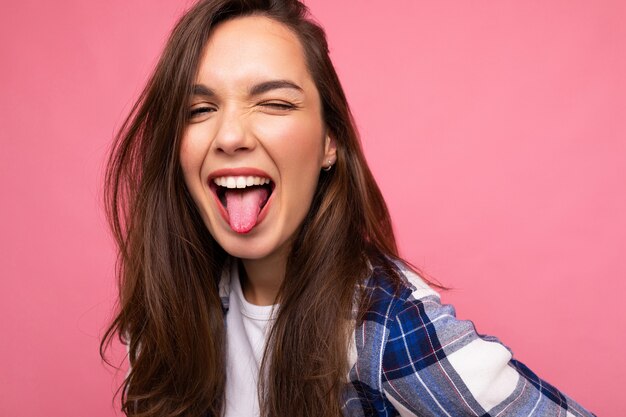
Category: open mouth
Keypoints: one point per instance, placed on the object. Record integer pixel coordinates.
(242, 199)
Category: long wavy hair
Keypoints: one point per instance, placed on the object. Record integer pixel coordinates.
(169, 313)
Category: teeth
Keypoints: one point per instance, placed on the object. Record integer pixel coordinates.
(240, 182)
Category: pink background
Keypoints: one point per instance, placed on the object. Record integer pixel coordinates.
(496, 130)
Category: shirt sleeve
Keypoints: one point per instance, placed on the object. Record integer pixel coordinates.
(436, 365)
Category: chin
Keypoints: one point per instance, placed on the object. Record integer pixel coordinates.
(247, 253)
(248, 247)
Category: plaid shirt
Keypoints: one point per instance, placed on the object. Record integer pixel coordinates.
(412, 357)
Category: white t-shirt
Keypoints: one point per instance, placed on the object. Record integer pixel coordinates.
(246, 327)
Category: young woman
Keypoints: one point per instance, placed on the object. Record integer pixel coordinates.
(258, 269)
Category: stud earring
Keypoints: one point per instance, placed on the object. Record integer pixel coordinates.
(330, 165)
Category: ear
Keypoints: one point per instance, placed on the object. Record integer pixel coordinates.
(330, 151)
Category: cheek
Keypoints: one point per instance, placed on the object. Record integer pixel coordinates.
(192, 154)
(187, 156)
(294, 144)
(191, 157)
(296, 147)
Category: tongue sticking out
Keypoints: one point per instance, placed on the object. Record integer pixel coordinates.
(243, 207)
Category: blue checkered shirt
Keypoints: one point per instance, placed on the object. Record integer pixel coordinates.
(411, 356)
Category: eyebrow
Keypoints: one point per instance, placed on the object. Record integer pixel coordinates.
(266, 86)
(255, 90)
(202, 90)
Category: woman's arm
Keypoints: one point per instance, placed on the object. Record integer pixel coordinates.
(436, 365)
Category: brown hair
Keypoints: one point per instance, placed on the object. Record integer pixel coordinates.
(169, 266)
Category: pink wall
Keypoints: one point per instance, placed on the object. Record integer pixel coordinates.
(497, 132)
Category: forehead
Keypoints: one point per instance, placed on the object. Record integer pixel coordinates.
(250, 48)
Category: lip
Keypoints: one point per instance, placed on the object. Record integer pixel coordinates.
(233, 172)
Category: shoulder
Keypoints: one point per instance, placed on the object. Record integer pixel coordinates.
(393, 309)
(410, 283)
(389, 294)
(421, 331)
(413, 316)
(421, 360)
(413, 344)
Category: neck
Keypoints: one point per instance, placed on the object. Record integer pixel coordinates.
(261, 279)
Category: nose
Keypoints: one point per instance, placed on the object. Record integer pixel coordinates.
(233, 135)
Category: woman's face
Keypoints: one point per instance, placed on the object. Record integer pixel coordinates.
(255, 141)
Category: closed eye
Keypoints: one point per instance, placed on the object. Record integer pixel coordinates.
(200, 112)
(278, 105)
